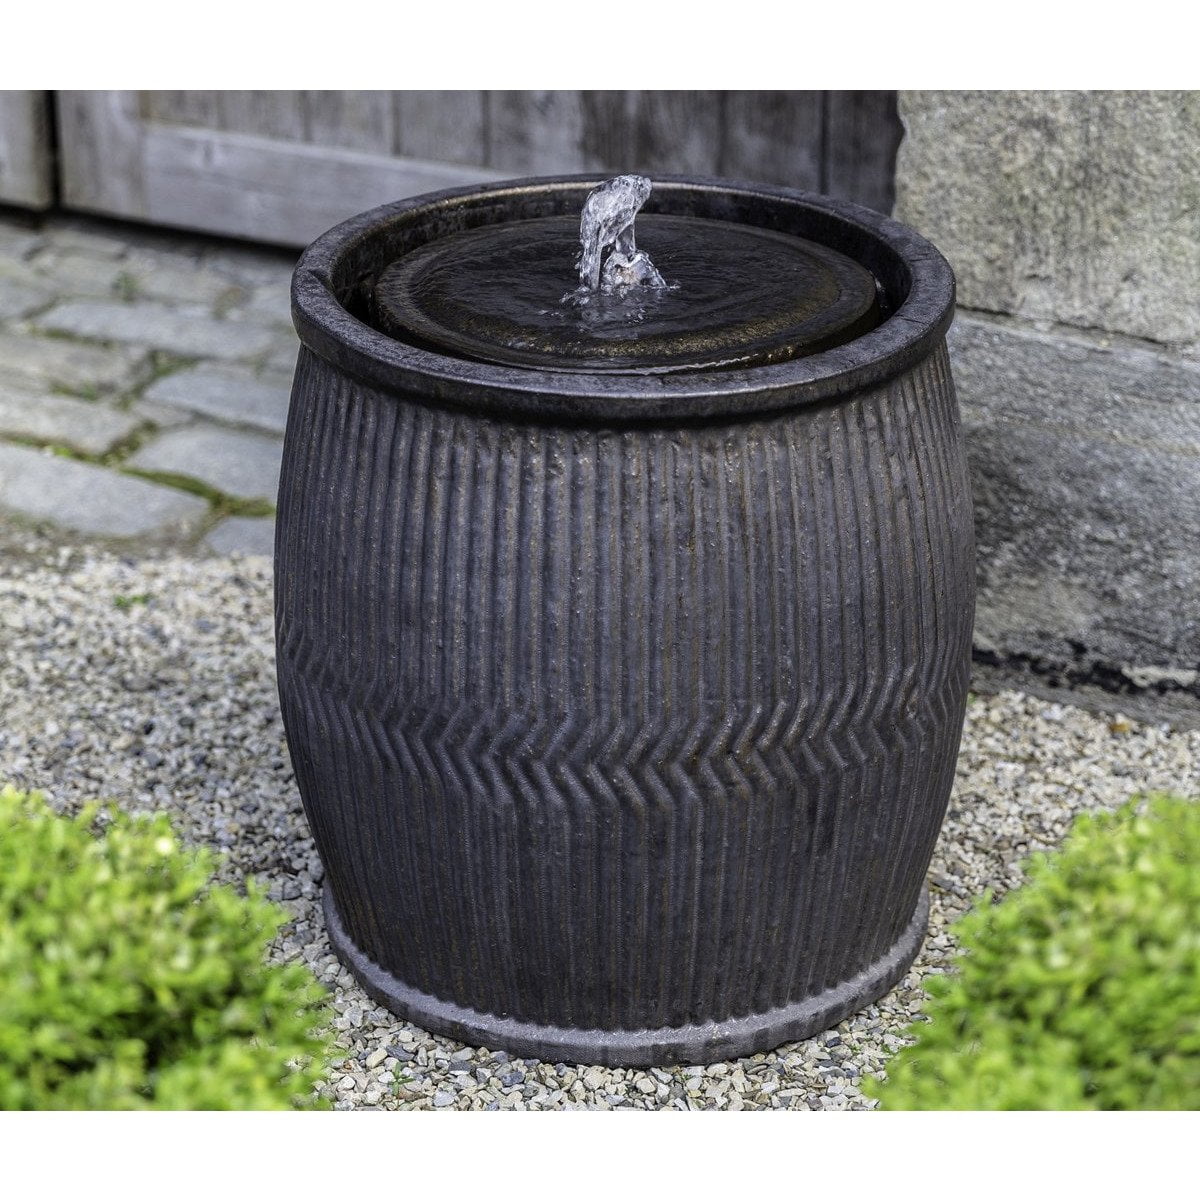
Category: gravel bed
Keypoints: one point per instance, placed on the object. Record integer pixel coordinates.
(153, 683)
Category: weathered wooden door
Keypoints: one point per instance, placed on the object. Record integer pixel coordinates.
(25, 176)
(284, 166)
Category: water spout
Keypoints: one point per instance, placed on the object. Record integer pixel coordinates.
(607, 224)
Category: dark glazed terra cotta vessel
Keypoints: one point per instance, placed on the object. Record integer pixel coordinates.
(624, 706)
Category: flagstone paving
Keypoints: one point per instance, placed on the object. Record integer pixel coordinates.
(144, 383)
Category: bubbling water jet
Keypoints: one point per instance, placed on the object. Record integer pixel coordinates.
(607, 224)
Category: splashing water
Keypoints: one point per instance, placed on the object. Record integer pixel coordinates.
(607, 221)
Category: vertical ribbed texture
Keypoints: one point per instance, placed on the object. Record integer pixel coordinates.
(624, 729)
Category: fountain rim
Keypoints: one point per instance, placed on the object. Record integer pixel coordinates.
(905, 337)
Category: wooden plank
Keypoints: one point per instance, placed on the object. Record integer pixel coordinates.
(154, 155)
(263, 114)
(604, 133)
(676, 132)
(536, 133)
(275, 191)
(608, 131)
(25, 161)
(350, 120)
(441, 126)
(862, 135)
(652, 132)
(773, 137)
(199, 109)
(100, 152)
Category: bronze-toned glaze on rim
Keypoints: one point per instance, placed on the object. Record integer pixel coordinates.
(338, 271)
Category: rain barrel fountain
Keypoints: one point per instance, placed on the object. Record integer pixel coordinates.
(624, 596)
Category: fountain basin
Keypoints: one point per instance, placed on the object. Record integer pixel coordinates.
(624, 704)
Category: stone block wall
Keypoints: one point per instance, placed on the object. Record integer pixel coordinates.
(1072, 220)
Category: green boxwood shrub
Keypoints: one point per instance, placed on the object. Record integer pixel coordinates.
(130, 980)
(1078, 990)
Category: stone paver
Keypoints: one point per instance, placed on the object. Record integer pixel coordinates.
(238, 397)
(89, 499)
(69, 236)
(18, 298)
(147, 323)
(252, 267)
(271, 303)
(93, 319)
(243, 535)
(239, 464)
(81, 424)
(75, 366)
(17, 243)
(83, 274)
(156, 277)
(17, 270)
(161, 415)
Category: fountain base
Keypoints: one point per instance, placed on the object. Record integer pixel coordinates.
(712, 1041)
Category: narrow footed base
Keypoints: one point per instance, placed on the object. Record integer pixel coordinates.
(712, 1041)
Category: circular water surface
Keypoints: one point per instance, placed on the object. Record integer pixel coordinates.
(737, 295)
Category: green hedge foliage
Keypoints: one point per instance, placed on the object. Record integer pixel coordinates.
(1078, 990)
(131, 980)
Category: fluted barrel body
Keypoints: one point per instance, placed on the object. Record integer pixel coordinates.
(624, 740)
